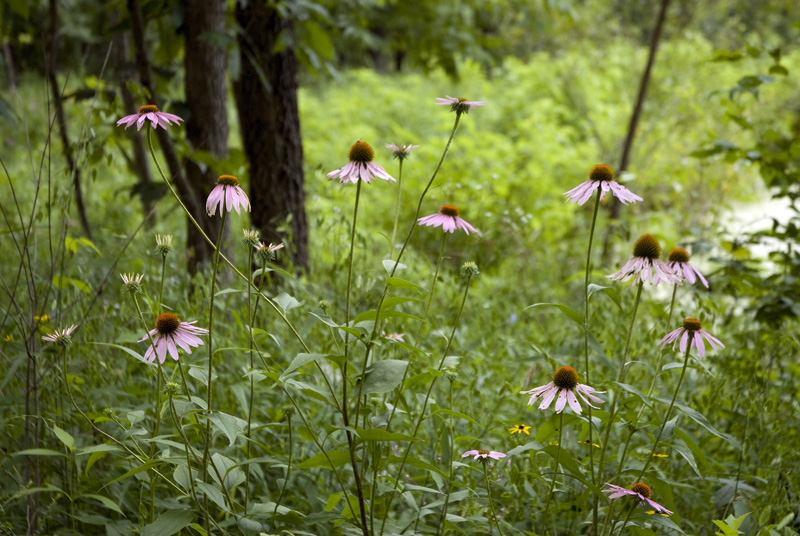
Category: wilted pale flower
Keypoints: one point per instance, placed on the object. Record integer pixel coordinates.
(565, 385)
(227, 194)
(691, 333)
(164, 243)
(360, 166)
(401, 153)
(132, 282)
(639, 491)
(267, 251)
(678, 260)
(448, 219)
(149, 112)
(458, 105)
(646, 264)
(250, 239)
(395, 336)
(601, 176)
(60, 337)
(170, 333)
(484, 454)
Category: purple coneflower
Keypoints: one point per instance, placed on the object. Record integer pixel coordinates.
(227, 194)
(640, 491)
(601, 176)
(361, 166)
(149, 112)
(646, 264)
(170, 333)
(690, 332)
(267, 251)
(458, 105)
(448, 219)
(60, 337)
(483, 454)
(401, 153)
(395, 336)
(678, 260)
(565, 385)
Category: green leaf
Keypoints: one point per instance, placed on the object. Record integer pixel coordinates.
(299, 361)
(569, 313)
(384, 376)
(213, 492)
(378, 434)
(136, 470)
(64, 437)
(286, 302)
(231, 473)
(385, 313)
(633, 390)
(388, 265)
(394, 282)
(60, 281)
(108, 503)
(168, 523)
(38, 452)
(416, 462)
(457, 414)
(126, 350)
(337, 458)
(229, 425)
(611, 292)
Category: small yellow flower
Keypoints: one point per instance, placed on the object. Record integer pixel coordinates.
(651, 512)
(8, 338)
(595, 445)
(519, 428)
(44, 319)
(660, 455)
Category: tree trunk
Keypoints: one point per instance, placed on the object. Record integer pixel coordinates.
(207, 121)
(266, 98)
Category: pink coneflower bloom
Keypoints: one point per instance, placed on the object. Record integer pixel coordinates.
(268, 250)
(227, 194)
(483, 454)
(395, 336)
(646, 264)
(60, 337)
(361, 166)
(458, 105)
(401, 153)
(170, 333)
(448, 219)
(639, 491)
(149, 112)
(601, 176)
(565, 385)
(690, 332)
(678, 260)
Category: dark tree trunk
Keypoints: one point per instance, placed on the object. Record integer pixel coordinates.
(266, 98)
(207, 122)
(58, 104)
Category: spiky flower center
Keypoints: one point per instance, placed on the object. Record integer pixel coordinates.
(565, 378)
(148, 109)
(601, 172)
(678, 255)
(228, 180)
(449, 210)
(642, 489)
(462, 99)
(483, 452)
(647, 246)
(692, 324)
(361, 152)
(167, 323)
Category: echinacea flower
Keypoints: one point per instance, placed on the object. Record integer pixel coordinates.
(170, 333)
(448, 219)
(565, 385)
(483, 454)
(601, 176)
(60, 337)
(227, 194)
(250, 238)
(360, 166)
(520, 428)
(267, 251)
(458, 105)
(401, 153)
(646, 264)
(132, 282)
(639, 491)
(395, 336)
(678, 260)
(149, 112)
(690, 332)
(164, 243)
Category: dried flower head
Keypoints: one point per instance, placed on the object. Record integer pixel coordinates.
(60, 337)
(267, 251)
(401, 152)
(458, 105)
(164, 243)
(250, 238)
(132, 282)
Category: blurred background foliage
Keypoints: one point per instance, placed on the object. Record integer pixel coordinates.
(716, 158)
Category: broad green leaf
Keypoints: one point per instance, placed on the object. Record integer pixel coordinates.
(457, 414)
(384, 376)
(229, 425)
(611, 292)
(286, 302)
(136, 470)
(168, 523)
(378, 434)
(124, 349)
(300, 360)
(64, 436)
(231, 473)
(60, 281)
(337, 458)
(394, 282)
(213, 492)
(108, 503)
(38, 452)
(633, 390)
(569, 313)
(388, 265)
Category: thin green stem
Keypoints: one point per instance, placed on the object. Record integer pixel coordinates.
(161, 287)
(250, 316)
(397, 208)
(555, 473)
(188, 447)
(288, 467)
(209, 383)
(586, 342)
(452, 466)
(627, 518)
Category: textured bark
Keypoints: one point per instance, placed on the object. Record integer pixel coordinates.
(266, 98)
(207, 121)
(58, 105)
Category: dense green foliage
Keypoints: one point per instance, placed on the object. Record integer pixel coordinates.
(729, 451)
